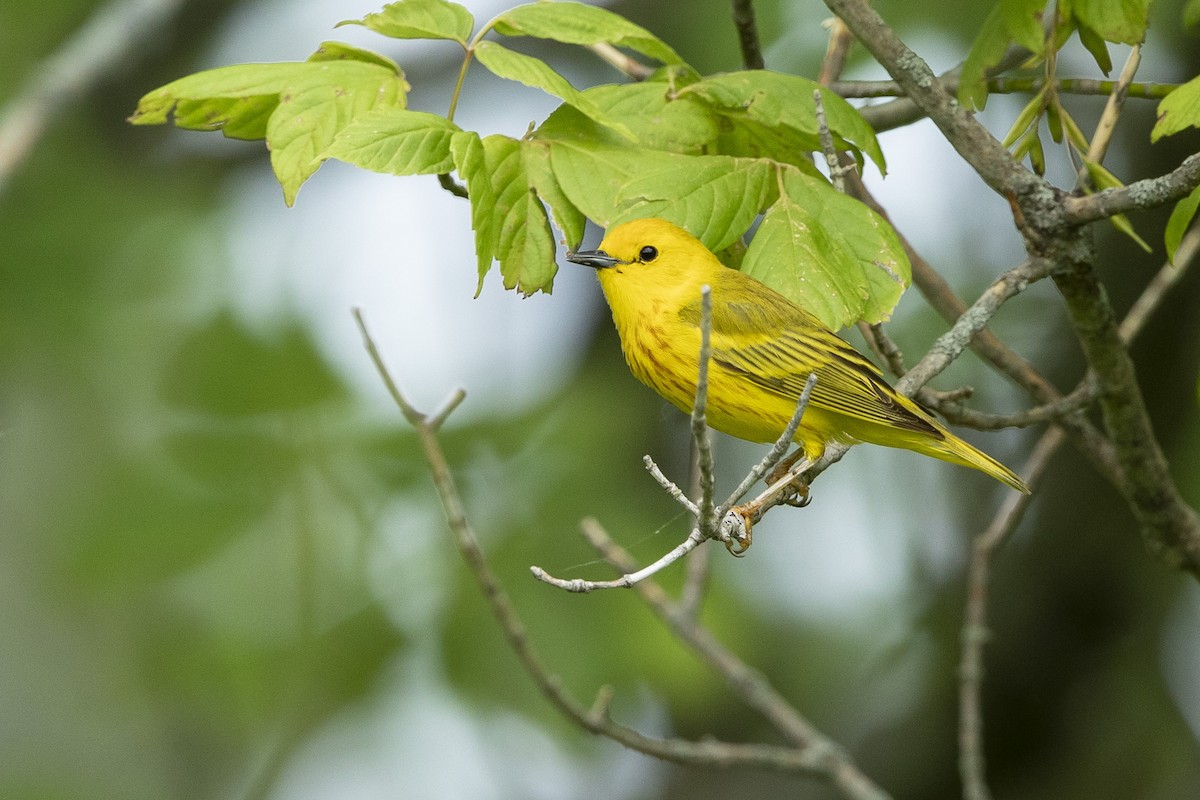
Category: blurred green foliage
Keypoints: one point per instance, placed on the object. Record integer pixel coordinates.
(194, 510)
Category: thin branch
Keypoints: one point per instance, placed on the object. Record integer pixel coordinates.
(975, 631)
(107, 42)
(1112, 108)
(709, 753)
(743, 20)
(1138, 196)
(836, 52)
(699, 418)
(826, 758)
(629, 579)
(623, 63)
(836, 169)
(697, 569)
(677, 494)
(950, 344)
(1074, 86)
(978, 148)
(775, 454)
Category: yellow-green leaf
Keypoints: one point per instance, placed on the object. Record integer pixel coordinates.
(577, 23)
(1181, 219)
(536, 73)
(524, 242)
(466, 149)
(1114, 20)
(396, 141)
(828, 253)
(420, 19)
(1178, 111)
(786, 101)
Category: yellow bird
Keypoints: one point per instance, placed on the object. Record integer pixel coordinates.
(764, 347)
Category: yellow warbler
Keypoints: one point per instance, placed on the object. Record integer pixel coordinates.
(764, 347)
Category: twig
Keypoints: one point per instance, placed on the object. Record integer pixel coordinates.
(950, 344)
(710, 752)
(836, 51)
(1138, 196)
(628, 580)
(775, 454)
(672, 488)
(827, 759)
(623, 63)
(1007, 85)
(836, 170)
(884, 347)
(974, 632)
(697, 569)
(990, 160)
(107, 42)
(743, 20)
(1112, 108)
(699, 419)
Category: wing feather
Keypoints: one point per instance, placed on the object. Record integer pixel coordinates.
(776, 345)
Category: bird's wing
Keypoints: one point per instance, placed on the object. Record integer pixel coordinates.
(777, 345)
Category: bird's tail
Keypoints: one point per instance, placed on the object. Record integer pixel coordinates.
(957, 451)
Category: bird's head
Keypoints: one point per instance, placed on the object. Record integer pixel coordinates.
(650, 258)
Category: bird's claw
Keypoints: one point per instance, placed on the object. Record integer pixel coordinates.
(737, 530)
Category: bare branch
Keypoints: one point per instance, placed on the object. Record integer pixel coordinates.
(975, 631)
(699, 419)
(709, 753)
(1138, 196)
(1075, 86)
(826, 758)
(623, 63)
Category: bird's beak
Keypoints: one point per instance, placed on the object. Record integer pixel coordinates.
(596, 259)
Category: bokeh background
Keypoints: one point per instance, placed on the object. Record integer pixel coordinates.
(223, 569)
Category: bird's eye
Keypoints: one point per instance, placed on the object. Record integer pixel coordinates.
(648, 253)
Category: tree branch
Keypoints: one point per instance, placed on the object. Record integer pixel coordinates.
(743, 19)
(1138, 196)
(825, 757)
(809, 760)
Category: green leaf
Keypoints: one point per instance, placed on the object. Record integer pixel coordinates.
(657, 121)
(396, 141)
(1181, 219)
(1095, 44)
(786, 101)
(591, 175)
(1023, 21)
(569, 219)
(576, 23)
(986, 51)
(1191, 15)
(715, 197)
(420, 19)
(1122, 21)
(1178, 111)
(298, 107)
(828, 253)
(237, 99)
(536, 73)
(745, 137)
(525, 244)
(316, 108)
(340, 51)
(467, 151)
(1103, 179)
